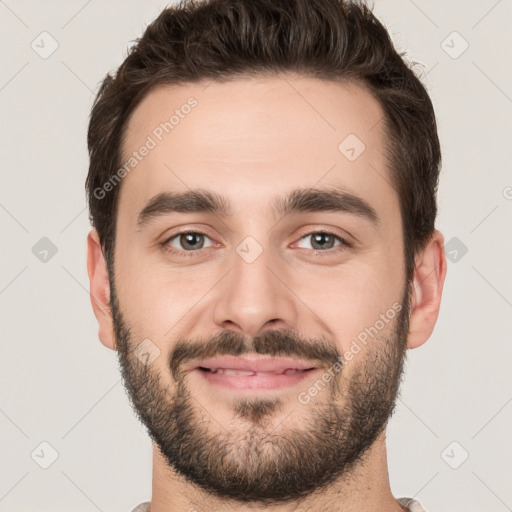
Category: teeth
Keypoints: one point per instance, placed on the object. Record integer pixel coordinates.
(227, 371)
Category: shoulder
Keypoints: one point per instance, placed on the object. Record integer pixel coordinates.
(411, 504)
(143, 507)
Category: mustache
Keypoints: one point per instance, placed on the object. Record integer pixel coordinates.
(274, 343)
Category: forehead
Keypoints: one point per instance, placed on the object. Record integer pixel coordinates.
(253, 139)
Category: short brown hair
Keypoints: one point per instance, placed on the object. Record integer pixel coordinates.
(221, 39)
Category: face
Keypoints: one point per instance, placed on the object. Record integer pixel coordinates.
(279, 243)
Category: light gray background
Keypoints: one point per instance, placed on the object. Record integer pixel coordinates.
(59, 385)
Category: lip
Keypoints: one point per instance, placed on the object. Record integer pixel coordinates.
(255, 382)
(274, 378)
(266, 364)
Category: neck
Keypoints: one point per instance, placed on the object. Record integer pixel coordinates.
(366, 488)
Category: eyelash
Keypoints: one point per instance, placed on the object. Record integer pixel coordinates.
(186, 254)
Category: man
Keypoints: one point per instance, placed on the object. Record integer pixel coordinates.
(262, 187)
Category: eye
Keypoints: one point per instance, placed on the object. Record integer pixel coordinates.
(187, 241)
(323, 241)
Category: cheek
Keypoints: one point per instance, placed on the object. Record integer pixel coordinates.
(157, 299)
(353, 299)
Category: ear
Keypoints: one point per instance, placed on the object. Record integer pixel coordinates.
(100, 290)
(427, 288)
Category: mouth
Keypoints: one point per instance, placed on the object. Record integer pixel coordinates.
(254, 374)
(247, 373)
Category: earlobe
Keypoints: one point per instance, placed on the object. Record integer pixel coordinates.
(100, 289)
(426, 291)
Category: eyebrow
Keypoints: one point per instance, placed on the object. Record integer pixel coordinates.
(296, 201)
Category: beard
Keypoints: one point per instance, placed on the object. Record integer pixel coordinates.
(253, 459)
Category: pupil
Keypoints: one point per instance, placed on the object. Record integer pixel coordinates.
(189, 240)
(322, 239)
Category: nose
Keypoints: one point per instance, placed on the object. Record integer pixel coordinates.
(254, 297)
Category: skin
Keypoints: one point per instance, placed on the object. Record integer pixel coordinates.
(286, 138)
